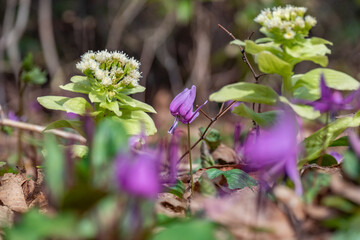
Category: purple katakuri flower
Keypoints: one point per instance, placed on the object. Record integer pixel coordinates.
(274, 151)
(354, 143)
(138, 173)
(181, 107)
(331, 100)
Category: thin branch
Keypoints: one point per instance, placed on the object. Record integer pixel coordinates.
(223, 111)
(40, 129)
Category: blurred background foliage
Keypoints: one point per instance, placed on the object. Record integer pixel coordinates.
(178, 42)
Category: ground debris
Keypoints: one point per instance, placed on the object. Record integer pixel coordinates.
(11, 192)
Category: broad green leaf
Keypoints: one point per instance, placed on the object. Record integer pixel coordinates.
(253, 48)
(133, 104)
(34, 76)
(112, 106)
(82, 86)
(317, 40)
(310, 50)
(74, 124)
(128, 91)
(77, 78)
(188, 229)
(238, 42)
(334, 79)
(245, 92)
(236, 178)
(54, 166)
(53, 102)
(76, 105)
(97, 96)
(213, 138)
(304, 111)
(264, 40)
(322, 138)
(262, 119)
(351, 165)
(269, 63)
(134, 121)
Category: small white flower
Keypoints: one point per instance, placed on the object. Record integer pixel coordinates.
(127, 80)
(134, 63)
(289, 34)
(310, 20)
(299, 21)
(106, 81)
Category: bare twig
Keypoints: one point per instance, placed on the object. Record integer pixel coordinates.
(222, 109)
(40, 129)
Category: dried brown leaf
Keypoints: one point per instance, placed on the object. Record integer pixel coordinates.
(225, 155)
(11, 192)
(170, 205)
(6, 217)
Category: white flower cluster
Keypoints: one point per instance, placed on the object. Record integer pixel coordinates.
(287, 21)
(110, 68)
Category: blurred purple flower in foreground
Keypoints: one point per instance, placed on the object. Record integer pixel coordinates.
(331, 100)
(354, 143)
(181, 107)
(138, 173)
(274, 151)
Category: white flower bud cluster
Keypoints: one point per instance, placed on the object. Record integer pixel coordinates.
(110, 68)
(286, 22)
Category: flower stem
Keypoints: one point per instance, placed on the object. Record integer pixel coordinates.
(191, 172)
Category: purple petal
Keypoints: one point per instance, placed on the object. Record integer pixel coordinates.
(178, 101)
(293, 174)
(173, 127)
(338, 157)
(187, 105)
(196, 113)
(354, 142)
(325, 90)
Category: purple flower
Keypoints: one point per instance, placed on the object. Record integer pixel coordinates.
(274, 151)
(138, 173)
(338, 157)
(13, 116)
(72, 116)
(181, 107)
(331, 100)
(354, 143)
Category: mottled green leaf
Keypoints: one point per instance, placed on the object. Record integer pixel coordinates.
(236, 178)
(245, 92)
(262, 119)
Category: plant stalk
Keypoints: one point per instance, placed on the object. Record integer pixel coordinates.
(190, 162)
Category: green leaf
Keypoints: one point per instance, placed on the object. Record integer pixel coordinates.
(35, 76)
(317, 40)
(340, 142)
(206, 158)
(34, 226)
(270, 63)
(79, 151)
(133, 104)
(334, 79)
(303, 111)
(178, 189)
(188, 229)
(262, 119)
(97, 96)
(134, 120)
(54, 165)
(238, 42)
(339, 203)
(110, 138)
(81, 86)
(351, 165)
(253, 48)
(78, 79)
(112, 106)
(313, 183)
(322, 138)
(76, 105)
(213, 138)
(128, 91)
(236, 178)
(74, 124)
(245, 92)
